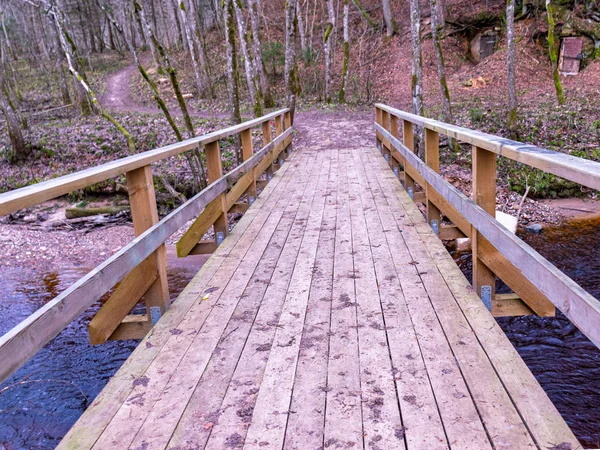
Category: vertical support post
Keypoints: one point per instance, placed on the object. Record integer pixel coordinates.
(385, 123)
(247, 152)
(394, 131)
(144, 213)
(378, 113)
(484, 194)
(408, 138)
(432, 159)
(267, 138)
(278, 132)
(287, 123)
(214, 171)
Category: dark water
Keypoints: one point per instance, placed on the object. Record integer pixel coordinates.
(42, 400)
(563, 360)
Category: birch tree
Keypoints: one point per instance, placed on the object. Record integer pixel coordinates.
(292, 81)
(439, 57)
(303, 45)
(201, 84)
(510, 65)
(251, 79)
(327, 41)
(232, 67)
(18, 149)
(388, 18)
(553, 51)
(258, 59)
(342, 96)
(417, 67)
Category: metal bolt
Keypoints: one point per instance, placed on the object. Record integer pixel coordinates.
(410, 193)
(386, 157)
(251, 200)
(435, 226)
(269, 176)
(154, 314)
(396, 172)
(220, 237)
(486, 296)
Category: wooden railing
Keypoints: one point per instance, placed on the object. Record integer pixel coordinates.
(139, 268)
(537, 284)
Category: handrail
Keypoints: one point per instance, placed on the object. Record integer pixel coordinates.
(37, 193)
(27, 338)
(578, 305)
(579, 170)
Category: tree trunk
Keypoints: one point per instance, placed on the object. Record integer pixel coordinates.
(328, 49)
(365, 14)
(180, 32)
(510, 64)
(292, 81)
(19, 149)
(389, 19)
(417, 68)
(60, 60)
(232, 66)
(202, 88)
(253, 88)
(553, 51)
(303, 45)
(439, 57)
(258, 59)
(342, 98)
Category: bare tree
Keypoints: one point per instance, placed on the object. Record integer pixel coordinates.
(417, 66)
(19, 150)
(388, 17)
(251, 79)
(510, 65)
(439, 57)
(292, 81)
(327, 41)
(192, 45)
(553, 51)
(232, 67)
(257, 50)
(342, 96)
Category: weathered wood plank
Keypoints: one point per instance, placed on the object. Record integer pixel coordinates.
(200, 226)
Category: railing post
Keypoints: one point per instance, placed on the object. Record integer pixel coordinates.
(484, 194)
(247, 152)
(408, 138)
(378, 121)
(142, 198)
(432, 159)
(214, 171)
(287, 124)
(395, 156)
(385, 148)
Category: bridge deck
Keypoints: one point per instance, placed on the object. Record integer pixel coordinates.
(331, 317)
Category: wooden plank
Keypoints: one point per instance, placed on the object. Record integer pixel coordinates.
(268, 426)
(450, 232)
(24, 340)
(132, 327)
(246, 184)
(421, 419)
(89, 426)
(252, 278)
(121, 302)
(247, 152)
(243, 389)
(432, 159)
(510, 305)
(484, 195)
(238, 208)
(542, 419)
(579, 170)
(305, 422)
(31, 195)
(460, 416)
(382, 424)
(201, 225)
(204, 248)
(502, 421)
(343, 416)
(214, 171)
(178, 367)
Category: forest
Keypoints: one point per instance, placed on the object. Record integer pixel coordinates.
(482, 64)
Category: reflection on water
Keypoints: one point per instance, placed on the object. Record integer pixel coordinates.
(563, 360)
(43, 399)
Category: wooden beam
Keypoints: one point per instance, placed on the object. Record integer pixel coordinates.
(200, 226)
(238, 208)
(509, 305)
(484, 195)
(132, 327)
(214, 171)
(579, 170)
(432, 159)
(37, 193)
(408, 137)
(247, 152)
(450, 232)
(204, 248)
(122, 301)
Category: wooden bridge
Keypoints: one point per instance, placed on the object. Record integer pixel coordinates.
(331, 316)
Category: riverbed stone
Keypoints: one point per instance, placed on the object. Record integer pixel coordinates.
(534, 228)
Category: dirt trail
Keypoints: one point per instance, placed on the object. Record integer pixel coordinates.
(117, 95)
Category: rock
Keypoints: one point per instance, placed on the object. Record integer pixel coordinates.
(30, 218)
(534, 228)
